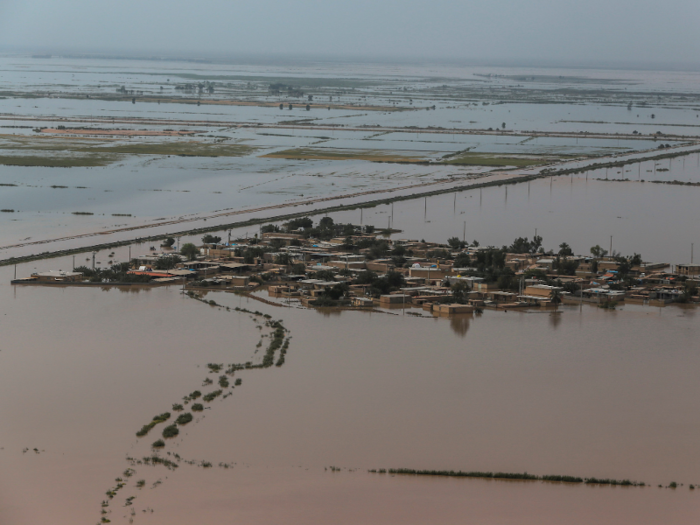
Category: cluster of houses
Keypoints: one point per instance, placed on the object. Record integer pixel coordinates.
(289, 266)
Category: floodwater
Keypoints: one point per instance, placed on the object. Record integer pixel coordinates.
(578, 391)
(656, 220)
(581, 392)
(142, 190)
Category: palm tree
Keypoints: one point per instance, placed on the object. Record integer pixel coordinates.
(555, 296)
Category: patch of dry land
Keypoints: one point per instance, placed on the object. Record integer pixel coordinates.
(502, 160)
(346, 154)
(119, 132)
(58, 151)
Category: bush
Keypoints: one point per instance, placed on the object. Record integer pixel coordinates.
(211, 239)
(157, 419)
(212, 396)
(170, 431)
(189, 250)
(183, 419)
(158, 444)
(197, 407)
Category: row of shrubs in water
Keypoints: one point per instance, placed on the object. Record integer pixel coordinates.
(510, 475)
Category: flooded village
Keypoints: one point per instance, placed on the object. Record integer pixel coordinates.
(340, 292)
(329, 265)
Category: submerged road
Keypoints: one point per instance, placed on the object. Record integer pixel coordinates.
(325, 127)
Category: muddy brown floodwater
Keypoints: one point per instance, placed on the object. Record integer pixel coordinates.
(580, 391)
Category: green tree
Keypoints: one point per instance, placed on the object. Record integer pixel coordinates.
(462, 260)
(283, 258)
(565, 250)
(326, 222)
(300, 223)
(455, 243)
(460, 290)
(189, 250)
(623, 267)
(298, 269)
(366, 277)
(169, 242)
(211, 239)
(598, 252)
(166, 262)
(520, 245)
(536, 244)
(636, 260)
(689, 290)
(555, 296)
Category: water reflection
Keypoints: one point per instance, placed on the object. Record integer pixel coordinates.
(460, 324)
(555, 319)
(329, 312)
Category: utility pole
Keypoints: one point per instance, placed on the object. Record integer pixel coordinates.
(691, 252)
(464, 232)
(360, 216)
(93, 260)
(610, 246)
(74, 263)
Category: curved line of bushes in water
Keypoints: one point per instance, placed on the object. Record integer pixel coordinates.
(278, 341)
(157, 419)
(511, 476)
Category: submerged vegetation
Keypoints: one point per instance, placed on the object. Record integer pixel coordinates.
(161, 418)
(511, 476)
(183, 419)
(278, 341)
(170, 431)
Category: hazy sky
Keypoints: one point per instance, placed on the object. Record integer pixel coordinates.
(533, 30)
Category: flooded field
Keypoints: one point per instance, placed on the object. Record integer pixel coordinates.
(97, 151)
(93, 146)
